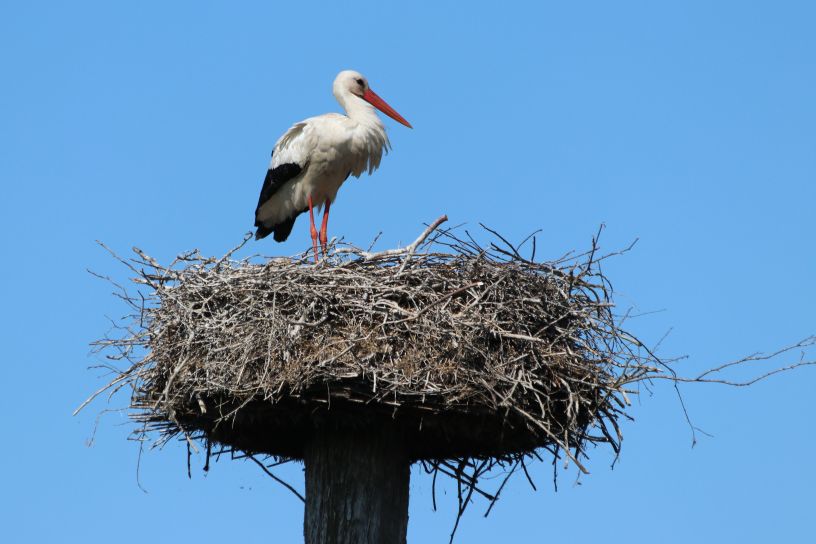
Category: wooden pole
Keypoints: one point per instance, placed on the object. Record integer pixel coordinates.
(356, 487)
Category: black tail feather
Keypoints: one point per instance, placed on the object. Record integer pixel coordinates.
(263, 232)
(281, 231)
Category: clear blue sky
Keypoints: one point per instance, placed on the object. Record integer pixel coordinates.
(691, 125)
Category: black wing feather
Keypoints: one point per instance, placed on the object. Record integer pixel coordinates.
(274, 180)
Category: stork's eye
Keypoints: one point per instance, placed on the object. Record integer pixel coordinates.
(360, 82)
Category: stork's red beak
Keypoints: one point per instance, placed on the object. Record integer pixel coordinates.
(372, 98)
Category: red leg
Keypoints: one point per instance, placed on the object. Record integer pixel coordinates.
(324, 238)
(312, 228)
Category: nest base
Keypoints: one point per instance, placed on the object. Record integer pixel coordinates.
(285, 428)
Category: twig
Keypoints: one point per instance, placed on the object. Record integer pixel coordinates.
(284, 484)
(408, 251)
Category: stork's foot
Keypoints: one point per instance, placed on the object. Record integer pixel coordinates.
(324, 242)
(314, 244)
(324, 246)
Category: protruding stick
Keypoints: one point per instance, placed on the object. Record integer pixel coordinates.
(410, 249)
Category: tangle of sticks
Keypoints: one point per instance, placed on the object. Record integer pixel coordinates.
(484, 357)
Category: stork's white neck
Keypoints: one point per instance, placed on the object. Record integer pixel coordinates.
(368, 140)
(359, 110)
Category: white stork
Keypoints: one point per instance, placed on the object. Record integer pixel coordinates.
(313, 158)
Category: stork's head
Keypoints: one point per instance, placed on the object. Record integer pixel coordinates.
(349, 82)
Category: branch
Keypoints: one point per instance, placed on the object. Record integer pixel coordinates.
(704, 376)
(408, 250)
(269, 473)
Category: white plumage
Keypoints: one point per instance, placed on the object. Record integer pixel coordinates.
(313, 158)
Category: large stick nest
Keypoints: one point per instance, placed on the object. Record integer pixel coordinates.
(471, 352)
(478, 357)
